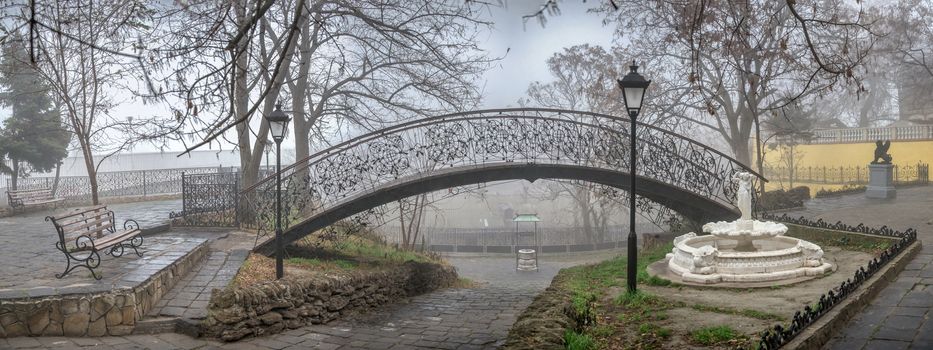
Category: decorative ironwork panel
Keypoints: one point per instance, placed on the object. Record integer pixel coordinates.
(483, 138)
(209, 200)
(114, 184)
(903, 174)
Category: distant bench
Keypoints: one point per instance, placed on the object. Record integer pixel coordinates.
(93, 230)
(30, 198)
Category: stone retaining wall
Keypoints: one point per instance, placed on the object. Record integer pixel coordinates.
(92, 314)
(238, 312)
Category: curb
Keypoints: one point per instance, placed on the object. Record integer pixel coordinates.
(820, 332)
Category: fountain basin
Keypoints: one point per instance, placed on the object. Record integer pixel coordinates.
(745, 231)
(714, 259)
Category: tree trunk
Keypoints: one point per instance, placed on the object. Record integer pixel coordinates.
(91, 171)
(864, 119)
(741, 150)
(583, 201)
(241, 101)
(58, 172)
(14, 177)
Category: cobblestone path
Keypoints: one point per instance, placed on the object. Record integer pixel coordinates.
(900, 317)
(456, 318)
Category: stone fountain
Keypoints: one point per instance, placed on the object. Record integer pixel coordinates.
(744, 250)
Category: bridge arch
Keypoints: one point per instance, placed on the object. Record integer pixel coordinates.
(473, 147)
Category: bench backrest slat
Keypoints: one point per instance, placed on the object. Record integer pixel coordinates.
(39, 194)
(93, 222)
(94, 226)
(80, 212)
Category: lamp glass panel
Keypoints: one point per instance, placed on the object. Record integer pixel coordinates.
(633, 97)
(278, 129)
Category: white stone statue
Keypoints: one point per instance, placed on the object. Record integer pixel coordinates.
(812, 253)
(704, 260)
(743, 199)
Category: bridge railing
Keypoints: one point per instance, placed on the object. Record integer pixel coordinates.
(486, 138)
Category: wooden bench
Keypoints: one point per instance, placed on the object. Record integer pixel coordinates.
(34, 197)
(84, 233)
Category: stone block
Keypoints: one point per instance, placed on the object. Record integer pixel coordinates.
(235, 334)
(97, 328)
(129, 315)
(100, 306)
(75, 325)
(880, 182)
(38, 321)
(8, 319)
(271, 318)
(69, 306)
(16, 329)
(53, 330)
(230, 315)
(114, 317)
(120, 330)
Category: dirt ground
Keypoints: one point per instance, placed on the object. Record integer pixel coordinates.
(782, 301)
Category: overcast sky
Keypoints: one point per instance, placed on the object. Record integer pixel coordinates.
(524, 46)
(529, 46)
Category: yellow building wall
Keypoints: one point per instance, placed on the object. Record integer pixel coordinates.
(852, 154)
(847, 155)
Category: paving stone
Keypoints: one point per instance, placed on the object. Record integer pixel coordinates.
(886, 345)
(909, 311)
(891, 333)
(845, 344)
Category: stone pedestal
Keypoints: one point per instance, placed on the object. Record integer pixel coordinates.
(880, 181)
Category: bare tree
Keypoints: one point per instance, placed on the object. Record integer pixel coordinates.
(80, 51)
(726, 63)
(341, 64)
(364, 66)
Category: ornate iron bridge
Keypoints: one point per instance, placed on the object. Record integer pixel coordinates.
(465, 148)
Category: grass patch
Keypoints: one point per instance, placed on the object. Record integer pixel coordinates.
(744, 312)
(314, 254)
(323, 264)
(844, 240)
(648, 328)
(638, 299)
(715, 335)
(577, 341)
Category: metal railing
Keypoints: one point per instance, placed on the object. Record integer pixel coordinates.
(855, 135)
(505, 240)
(113, 184)
(903, 174)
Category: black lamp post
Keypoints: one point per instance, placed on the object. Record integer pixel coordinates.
(278, 127)
(633, 87)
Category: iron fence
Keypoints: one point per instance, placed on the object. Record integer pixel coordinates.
(506, 240)
(209, 200)
(903, 174)
(781, 334)
(113, 184)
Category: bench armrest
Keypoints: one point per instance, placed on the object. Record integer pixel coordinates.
(80, 245)
(130, 225)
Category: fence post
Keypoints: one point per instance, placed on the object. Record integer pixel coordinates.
(184, 207)
(144, 184)
(824, 174)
